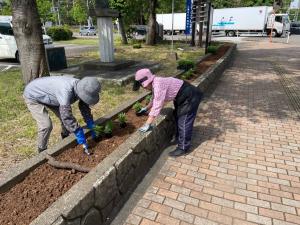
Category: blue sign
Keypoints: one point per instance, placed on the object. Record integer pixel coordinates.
(188, 19)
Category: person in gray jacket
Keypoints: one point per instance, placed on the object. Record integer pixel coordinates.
(58, 93)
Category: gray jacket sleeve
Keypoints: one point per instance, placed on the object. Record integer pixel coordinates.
(67, 118)
(85, 111)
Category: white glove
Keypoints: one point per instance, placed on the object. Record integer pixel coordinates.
(145, 128)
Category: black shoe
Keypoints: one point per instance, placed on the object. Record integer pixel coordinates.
(177, 152)
(41, 149)
(97, 139)
(64, 135)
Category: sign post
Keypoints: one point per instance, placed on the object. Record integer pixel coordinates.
(188, 17)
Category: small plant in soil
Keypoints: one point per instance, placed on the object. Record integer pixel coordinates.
(99, 130)
(212, 49)
(188, 75)
(122, 119)
(137, 107)
(185, 64)
(108, 129)
(148, 99)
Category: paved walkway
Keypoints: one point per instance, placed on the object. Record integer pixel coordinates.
(245, 167)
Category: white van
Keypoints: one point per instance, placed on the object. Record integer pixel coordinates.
(8, 45)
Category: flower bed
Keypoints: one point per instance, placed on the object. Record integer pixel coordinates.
(40, 194)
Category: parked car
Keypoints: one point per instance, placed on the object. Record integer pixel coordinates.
(87, 31)
(8, 45)
(295, 28)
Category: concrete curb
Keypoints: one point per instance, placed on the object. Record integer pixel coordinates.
(98, 196)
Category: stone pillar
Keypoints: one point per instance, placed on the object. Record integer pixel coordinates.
(106, 41)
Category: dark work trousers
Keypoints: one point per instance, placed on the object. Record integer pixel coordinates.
(185, 129)
(186, 105)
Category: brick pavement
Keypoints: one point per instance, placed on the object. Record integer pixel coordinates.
(245, 166)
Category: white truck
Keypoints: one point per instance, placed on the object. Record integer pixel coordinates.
(235, 21)
(8, 45)
(166, 21)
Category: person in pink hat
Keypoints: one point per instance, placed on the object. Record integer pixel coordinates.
(186, 100)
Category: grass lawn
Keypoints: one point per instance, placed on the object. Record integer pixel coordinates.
(159, 53)
(80, 41)
(18, 129)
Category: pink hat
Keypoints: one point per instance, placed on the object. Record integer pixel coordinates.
(146, 75)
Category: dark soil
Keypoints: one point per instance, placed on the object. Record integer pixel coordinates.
(201, 67)
(43, 186)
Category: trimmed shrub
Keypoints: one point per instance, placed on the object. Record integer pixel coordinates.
(137, 45)
(212, 49)
(59, 33)
(185, 64)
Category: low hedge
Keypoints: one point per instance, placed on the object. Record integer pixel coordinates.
(212, 49)
(185, 64)
(59, 33)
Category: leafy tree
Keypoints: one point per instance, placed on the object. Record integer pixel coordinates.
(6, 8)
(165, 6)
(79, 12)
(122, 7)
(44, 8)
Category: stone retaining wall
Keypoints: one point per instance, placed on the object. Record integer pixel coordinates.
(98, 197)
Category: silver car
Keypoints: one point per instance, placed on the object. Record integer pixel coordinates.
(87, 31)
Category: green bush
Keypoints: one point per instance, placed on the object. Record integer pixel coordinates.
(185, 64)
(212, 49)
(137, 45)
(59, 33)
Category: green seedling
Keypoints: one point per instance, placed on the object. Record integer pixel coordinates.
(188, 75)
(122, 119)
(137, 107)
(108, 129)
(148, 99)
(99, 130)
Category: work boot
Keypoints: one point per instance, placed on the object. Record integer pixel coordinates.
(41, 149)
(64, 135)
(177, 152)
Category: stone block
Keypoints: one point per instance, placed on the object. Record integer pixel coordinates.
(127, 181)
(106, 189)
(74, 222)
(93, 217)
(61, 221)
(77, 201)
(108, 209)
(123, 166)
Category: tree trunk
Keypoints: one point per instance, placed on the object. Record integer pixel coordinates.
(151, 36)
(122, 30)
(28, 33)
